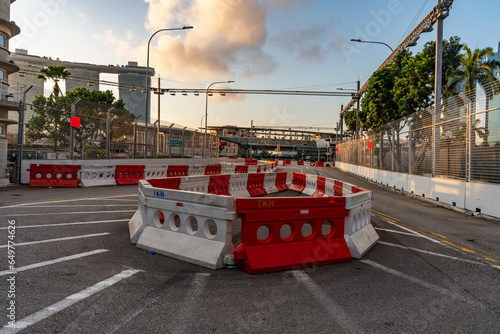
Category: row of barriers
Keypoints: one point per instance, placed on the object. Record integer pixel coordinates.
(51, 175)
(191, 218)
(304, 163)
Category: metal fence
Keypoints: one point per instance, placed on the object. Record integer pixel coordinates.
(103, 133)
(461, 142)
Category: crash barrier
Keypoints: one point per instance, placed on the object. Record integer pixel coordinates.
(332, 225)
(192, 227)
(97, 176)
(44, 175)
(56, 175)
(290, 233)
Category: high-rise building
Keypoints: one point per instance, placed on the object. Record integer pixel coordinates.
(9, 96)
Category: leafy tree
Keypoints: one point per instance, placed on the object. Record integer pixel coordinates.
(476, 68)
(55, 73)
(52, 118)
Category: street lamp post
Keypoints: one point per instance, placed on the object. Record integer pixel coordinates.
(147, 85)
(206, 109)
(372, 42)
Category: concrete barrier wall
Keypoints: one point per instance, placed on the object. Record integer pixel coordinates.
(473, 196)
(25, 174)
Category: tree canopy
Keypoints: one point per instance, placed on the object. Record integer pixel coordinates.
(55, 73)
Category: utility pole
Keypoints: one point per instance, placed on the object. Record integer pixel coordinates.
(358, 106)
(158, 131)
(20, 135)
(437, 87)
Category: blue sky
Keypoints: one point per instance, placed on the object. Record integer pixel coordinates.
(268, 44)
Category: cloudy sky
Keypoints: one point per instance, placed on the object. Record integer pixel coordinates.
(266, 44)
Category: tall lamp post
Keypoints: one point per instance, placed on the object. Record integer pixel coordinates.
(372, 42)
(147, 86)
(206, 111)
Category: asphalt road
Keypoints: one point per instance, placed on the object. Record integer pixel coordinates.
(434, 271)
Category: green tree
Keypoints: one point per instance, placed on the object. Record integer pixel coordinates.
(52, 118)
(55, 73)
(476, 68)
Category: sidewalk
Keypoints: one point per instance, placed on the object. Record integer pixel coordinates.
(5, 184)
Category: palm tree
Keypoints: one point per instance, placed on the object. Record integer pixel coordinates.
(55, 73)
(476, 68)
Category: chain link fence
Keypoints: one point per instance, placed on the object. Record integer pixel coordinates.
(97, 131)
(461, 142)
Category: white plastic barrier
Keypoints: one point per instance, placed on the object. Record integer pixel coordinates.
(196, 170)
(192, 227)
(252, 169)
(311, 185)
(270, 183)
(91, 176)
(238, 184)
(155, 172)
(228, 169)
(197, 184)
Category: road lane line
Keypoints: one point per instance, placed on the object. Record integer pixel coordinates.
(76, 205)
(333, 309)
(67, 213)
(67, 302)
(58, 239)
(69, 224)
(47, 263)
(437, 254)
(413, 234)
(440, 238)
(66, 200)
(425, 284)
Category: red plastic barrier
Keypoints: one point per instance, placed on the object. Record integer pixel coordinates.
(300, 163)
(320, 188)
(213, 169)
(295, 246)
(337, 188)
(320, 164)
(179, 170)
(129, 174)
(258, 169)
(166, 183)
(250, 161)
(53, 176)
(241, 169)
(287, 162)
(255, 184)
(281, 181)
(219, 185)
(298, 182)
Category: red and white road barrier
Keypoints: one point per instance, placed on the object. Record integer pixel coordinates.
(91, 176)
(344, 208)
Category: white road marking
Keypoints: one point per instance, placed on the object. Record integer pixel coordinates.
(333, 309)
(66, 302)
(68, 200)
(425, 284)
(414, 232)
(430, 253)
(398, 232)
(69, 224)
(67, 213)
(47, 263)
(58, 239)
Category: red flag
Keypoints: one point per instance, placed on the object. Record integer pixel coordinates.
(75, 122)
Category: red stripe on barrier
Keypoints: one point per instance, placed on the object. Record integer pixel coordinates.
(320, 164)
(219, 185)
(300, 163)
(281, 181)
(250, 161)
(129, 174)
(301, 232)
(213, 169)
(337, 188)
(179, 170)
(298, 182)
(61, 176)
(287, 162)
(241, 169)
(166, 183)
(255, 185)
(258, 169)
(320, 188)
